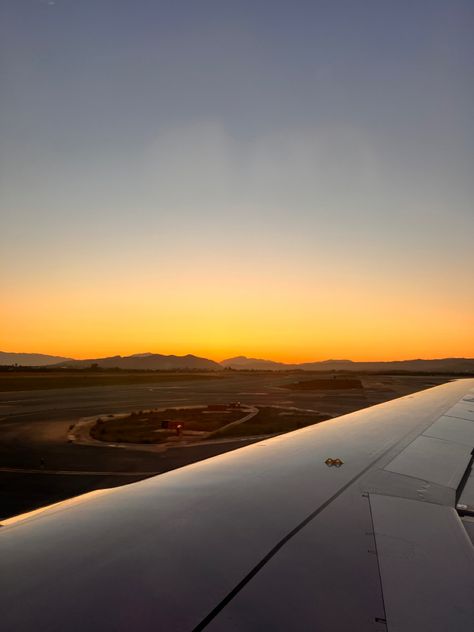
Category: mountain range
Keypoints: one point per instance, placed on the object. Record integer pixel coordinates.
(156, 361)
(455, 365)
(147, 362)
(29, 359)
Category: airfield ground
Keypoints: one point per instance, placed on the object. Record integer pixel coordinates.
(39, 465)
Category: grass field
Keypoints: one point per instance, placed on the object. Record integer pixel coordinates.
(34, 380)
(272, 420)
(146, 426)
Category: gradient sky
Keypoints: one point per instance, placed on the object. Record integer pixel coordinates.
(291, 180)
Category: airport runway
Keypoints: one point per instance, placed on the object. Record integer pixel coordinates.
(36, 458)
(33, 437)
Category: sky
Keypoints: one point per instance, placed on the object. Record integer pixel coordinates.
(282, 179)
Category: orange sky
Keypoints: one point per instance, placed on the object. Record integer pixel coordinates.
(290, 314)
(287, 184)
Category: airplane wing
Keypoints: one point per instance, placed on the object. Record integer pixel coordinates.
(357, 523)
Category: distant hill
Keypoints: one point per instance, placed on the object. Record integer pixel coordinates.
(241, 362)
(159, 362)
(29, 359)
(146, 361)
(448, 365)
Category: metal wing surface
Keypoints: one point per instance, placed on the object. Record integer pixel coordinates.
(268, 537)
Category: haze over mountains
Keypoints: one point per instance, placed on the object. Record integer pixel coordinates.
(29, 359)
(444, 364)
(156, 361)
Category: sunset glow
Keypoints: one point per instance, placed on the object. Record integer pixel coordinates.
(308, 197)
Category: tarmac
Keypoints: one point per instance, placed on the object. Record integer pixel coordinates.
(40, 465)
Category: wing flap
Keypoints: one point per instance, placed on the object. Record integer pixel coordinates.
(426, 561)
(434, 460)
(452, 429)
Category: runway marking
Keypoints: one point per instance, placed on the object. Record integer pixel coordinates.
(18, 470)
(252, 393)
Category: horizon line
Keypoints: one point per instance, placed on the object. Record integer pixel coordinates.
(334, 359)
